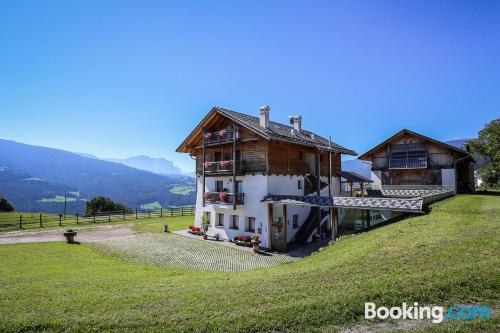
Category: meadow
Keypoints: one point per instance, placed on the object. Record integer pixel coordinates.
(447, 257)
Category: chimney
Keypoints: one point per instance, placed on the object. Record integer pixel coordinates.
(264, 116)
(296, 121)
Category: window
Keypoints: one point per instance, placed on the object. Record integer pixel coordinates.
(301, 155)
(295, 221)
(299, 184)
(219, 186)
(250, 227)
(234, 222)
(408, 156)
(220, 220)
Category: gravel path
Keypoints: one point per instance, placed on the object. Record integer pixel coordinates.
(176, 251)
(84, 235)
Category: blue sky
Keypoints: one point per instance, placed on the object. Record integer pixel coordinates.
(122, 78)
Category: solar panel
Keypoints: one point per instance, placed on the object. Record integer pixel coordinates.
(408, 156)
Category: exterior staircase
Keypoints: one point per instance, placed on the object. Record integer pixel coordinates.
(309, 226)
(311, 182)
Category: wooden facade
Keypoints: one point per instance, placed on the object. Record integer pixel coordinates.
(438, 156)
(256, 155)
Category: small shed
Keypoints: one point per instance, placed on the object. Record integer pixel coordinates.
(352, 180)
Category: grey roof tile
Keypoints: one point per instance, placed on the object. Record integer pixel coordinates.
(282, 132)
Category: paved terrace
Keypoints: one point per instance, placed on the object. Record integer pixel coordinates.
(176, 251)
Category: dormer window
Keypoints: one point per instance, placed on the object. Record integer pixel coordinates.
(408, 156)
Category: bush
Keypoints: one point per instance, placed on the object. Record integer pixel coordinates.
(5, 205)
(103, 205)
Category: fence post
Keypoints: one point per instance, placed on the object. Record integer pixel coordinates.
(149, 213)
(171, 211)
(94, 217)
(40, 220)
(136, 213)
(76, 218)
(60, 220)
(109, 217)
(182, 211)
(124, 215)
(161, 212)
(21, 221)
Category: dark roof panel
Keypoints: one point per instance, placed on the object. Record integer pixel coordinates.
(355, 177)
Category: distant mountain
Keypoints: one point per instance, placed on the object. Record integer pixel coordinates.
(61, 172)
(29, 193)
(357, 166)
(156, 165)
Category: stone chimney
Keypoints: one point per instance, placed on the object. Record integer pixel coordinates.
(264, 116)
(296, 121)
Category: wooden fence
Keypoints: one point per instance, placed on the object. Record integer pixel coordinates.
(21, 220)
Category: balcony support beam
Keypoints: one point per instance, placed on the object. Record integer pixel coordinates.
(203, 167)
(234, 167)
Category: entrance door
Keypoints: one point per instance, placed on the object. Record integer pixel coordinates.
(278, 228)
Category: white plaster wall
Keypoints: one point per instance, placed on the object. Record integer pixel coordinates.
(255, 188)
(376, 176)
(287, 185)
(448, 178)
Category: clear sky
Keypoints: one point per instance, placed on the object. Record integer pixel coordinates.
(122, 78)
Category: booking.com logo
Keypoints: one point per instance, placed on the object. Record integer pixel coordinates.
(434, 313)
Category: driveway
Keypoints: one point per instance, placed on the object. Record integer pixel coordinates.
(84, 235)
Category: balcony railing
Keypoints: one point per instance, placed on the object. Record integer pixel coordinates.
(220, 167)
(224, 198)
(222, 136)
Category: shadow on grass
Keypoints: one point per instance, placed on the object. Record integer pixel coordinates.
(488, 192)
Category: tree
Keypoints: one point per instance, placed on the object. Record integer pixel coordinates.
(5, 205)
(488, 144)
(103, 204)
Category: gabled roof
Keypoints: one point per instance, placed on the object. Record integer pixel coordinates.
(275, 131)
(366, 156)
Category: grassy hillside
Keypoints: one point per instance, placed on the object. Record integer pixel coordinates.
(449, 257)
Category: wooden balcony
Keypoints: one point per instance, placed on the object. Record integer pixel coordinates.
(224, 198)
(220, 167)
(221, 137)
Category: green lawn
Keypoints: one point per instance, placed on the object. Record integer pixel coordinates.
(449, 257)
(51, 221)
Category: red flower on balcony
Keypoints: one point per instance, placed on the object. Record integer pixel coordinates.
(225, 164)
(223, 132)
(207, 195)
(208, 135)
(223, 196)
(208, 164)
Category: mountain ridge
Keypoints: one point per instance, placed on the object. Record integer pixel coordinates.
(88, 176)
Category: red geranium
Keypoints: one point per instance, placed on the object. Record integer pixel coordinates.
(223, 132)
(207, 195)
(223, 196)
(224, 164)
(208, 135)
